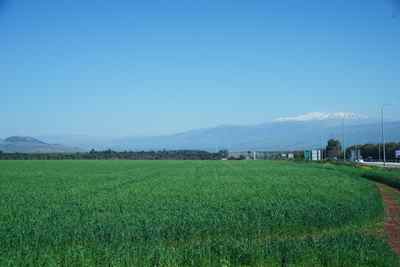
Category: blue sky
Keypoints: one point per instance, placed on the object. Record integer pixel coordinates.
(119, 68)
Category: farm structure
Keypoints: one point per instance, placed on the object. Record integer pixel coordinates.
(263, 155)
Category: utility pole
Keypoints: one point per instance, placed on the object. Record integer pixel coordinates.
(383, 134)
(379, 139)
(383, 137)
(322, 148)
(343, 146)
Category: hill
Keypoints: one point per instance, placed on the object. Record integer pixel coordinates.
(25, 144)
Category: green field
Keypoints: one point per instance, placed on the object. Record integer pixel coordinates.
(189, 213)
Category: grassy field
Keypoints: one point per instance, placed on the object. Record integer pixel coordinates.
(189, 213)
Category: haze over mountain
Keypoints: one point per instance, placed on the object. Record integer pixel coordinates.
(306, 131)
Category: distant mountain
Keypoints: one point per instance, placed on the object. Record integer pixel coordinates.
(307, 131)
(25, 144)
(270, 136)
(23, 139)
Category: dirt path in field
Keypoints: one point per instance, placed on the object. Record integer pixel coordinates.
(392, 220)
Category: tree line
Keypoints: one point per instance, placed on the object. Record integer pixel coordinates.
(114, 155)
(368, 151)
(333, 151)
(375, 151)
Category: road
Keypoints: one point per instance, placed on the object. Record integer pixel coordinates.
(380, 164)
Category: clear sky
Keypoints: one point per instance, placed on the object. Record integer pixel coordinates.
(119, 68)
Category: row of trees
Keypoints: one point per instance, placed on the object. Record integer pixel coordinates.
(129, 155)
(368, 151)
(333, 151)
(375, 151)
